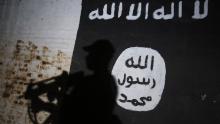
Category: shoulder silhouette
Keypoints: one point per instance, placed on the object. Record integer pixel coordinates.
(78, 98)
(93, 96)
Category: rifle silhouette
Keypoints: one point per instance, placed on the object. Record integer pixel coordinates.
(54, 88)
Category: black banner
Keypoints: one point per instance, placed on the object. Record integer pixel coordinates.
(185, 33)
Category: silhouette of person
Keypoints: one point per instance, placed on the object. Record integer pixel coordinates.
(92, 98)
(50, 87)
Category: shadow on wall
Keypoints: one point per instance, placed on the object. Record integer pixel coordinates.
(77, 98)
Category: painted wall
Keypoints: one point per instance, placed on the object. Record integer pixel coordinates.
(37, 38)
(182, 86)
(165, 64)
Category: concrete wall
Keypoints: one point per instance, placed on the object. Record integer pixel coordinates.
(37, 38)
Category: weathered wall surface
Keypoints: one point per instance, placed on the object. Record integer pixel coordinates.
(26, 63)
(36, 42)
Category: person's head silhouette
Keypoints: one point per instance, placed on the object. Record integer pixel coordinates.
(99, 55)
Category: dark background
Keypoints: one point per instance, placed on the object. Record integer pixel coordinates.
(189, 48)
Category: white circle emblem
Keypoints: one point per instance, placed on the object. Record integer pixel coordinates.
(140, 77)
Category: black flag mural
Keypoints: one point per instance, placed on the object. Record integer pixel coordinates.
(163, 56)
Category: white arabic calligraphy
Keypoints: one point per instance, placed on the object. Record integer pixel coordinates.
(159, 13)
(197, 14)
(95, 14)
(131, 15)
(135, 11)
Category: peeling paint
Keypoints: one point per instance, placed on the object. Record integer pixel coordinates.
(20, 64)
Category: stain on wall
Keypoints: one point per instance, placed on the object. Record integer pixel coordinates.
(36, 42)
(20, 64)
